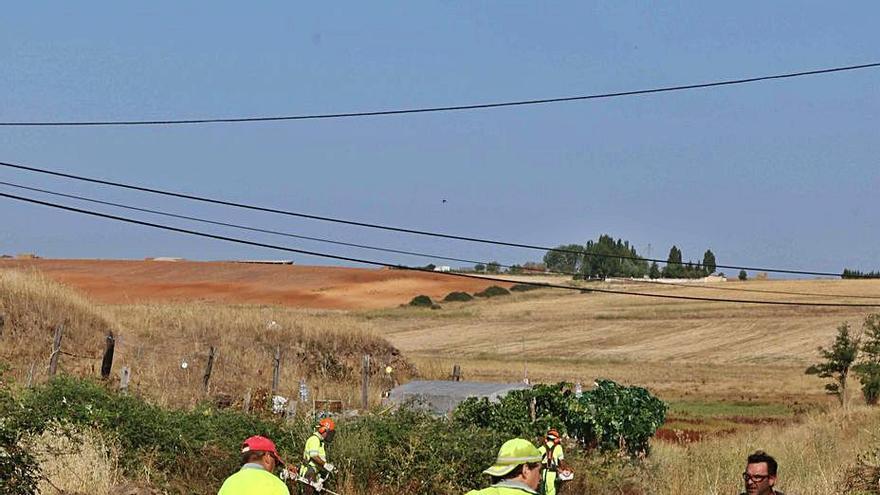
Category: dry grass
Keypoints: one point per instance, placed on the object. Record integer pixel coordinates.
(812, 456)
(84, 463)
(324, 347)
(676, 348)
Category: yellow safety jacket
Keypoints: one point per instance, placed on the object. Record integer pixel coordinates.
(252, 479)
(551, 454)
(505, 487)
(314, 447)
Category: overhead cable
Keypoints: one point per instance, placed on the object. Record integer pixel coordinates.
(403, 267)
(411, 253)
(450, 108)
(388, 227)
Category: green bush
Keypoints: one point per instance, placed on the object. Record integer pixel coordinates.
(19, 471)
(609, 417)
(524, 287)
(458, 297)
(493, 291)
(421, 301)
(189, 447)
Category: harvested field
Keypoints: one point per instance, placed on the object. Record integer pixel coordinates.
(133, 282)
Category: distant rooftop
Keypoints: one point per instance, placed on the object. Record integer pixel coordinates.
(441, 397)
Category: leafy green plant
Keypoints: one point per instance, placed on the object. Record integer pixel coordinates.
(421, 301)
(524, 287)
(458, 297)
(868, 370)
(609, 417)
(837, 362)
(493, 291)
(19, 471)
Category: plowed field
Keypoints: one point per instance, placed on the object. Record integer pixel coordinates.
(124, 282)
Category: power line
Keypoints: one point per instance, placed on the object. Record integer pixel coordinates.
(452, 108)
(397, 251)
(255, 229)
(402, 267)
(386, 227)
(744, 289)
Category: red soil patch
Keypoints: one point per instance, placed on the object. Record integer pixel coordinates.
(131, 282)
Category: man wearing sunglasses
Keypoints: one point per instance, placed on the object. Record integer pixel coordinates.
(760, 475)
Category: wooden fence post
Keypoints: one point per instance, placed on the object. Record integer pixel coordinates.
(456, 373)
(56, 350)
(365, 383)
(107, 362)
(276, 371)
(246, 405)
(125, 376)
(30, 375)
(208, 368)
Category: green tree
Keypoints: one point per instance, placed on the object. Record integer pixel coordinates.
(743, 275)
(673, 268)
(565, 258)
(479, 267)
(868, 370)
(709, 262)
(655, 270)
(493, 267)
(837, 362)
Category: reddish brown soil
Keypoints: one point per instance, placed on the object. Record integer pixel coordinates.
(130, 282)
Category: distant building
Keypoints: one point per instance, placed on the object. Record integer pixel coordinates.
(442, 397)
(164, 258)
(442, 268)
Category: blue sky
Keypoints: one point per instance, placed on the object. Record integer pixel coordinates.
(778, 174)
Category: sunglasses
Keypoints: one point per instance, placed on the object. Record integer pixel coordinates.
(755, 478)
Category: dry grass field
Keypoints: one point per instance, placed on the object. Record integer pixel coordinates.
(678, 348)
(733, 373)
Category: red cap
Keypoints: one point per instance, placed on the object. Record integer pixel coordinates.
(257, 442)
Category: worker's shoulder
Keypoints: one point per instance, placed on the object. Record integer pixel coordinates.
(253, 481)
(500, 490)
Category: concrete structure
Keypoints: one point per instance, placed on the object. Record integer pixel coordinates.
(441, 397)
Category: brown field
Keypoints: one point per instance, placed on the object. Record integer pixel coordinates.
(732, 373)
(134, 282)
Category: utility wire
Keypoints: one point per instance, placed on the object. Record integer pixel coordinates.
(387, 227)
(744, 289)
(402, 267)
(255, 229)
(410, 253)
(452, 108)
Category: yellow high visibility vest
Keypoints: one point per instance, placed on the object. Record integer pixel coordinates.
(253, 481)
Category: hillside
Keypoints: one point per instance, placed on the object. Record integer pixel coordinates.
(166, 346)
(125, 281)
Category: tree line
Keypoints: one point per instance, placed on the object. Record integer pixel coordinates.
(847, 273)
(607, 257)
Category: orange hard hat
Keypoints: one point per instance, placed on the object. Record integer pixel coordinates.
(325, 425)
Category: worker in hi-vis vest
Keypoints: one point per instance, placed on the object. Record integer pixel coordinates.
(517, 470)
(259, 458)
(553, 468)
(315, 467)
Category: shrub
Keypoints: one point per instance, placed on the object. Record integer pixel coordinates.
(524, 287)
(19, 471)
(421, 301)
(458, 297)
(492, 291)
(610, 417)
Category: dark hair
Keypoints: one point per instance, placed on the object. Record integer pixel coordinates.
(760, 456)
(251, 456)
